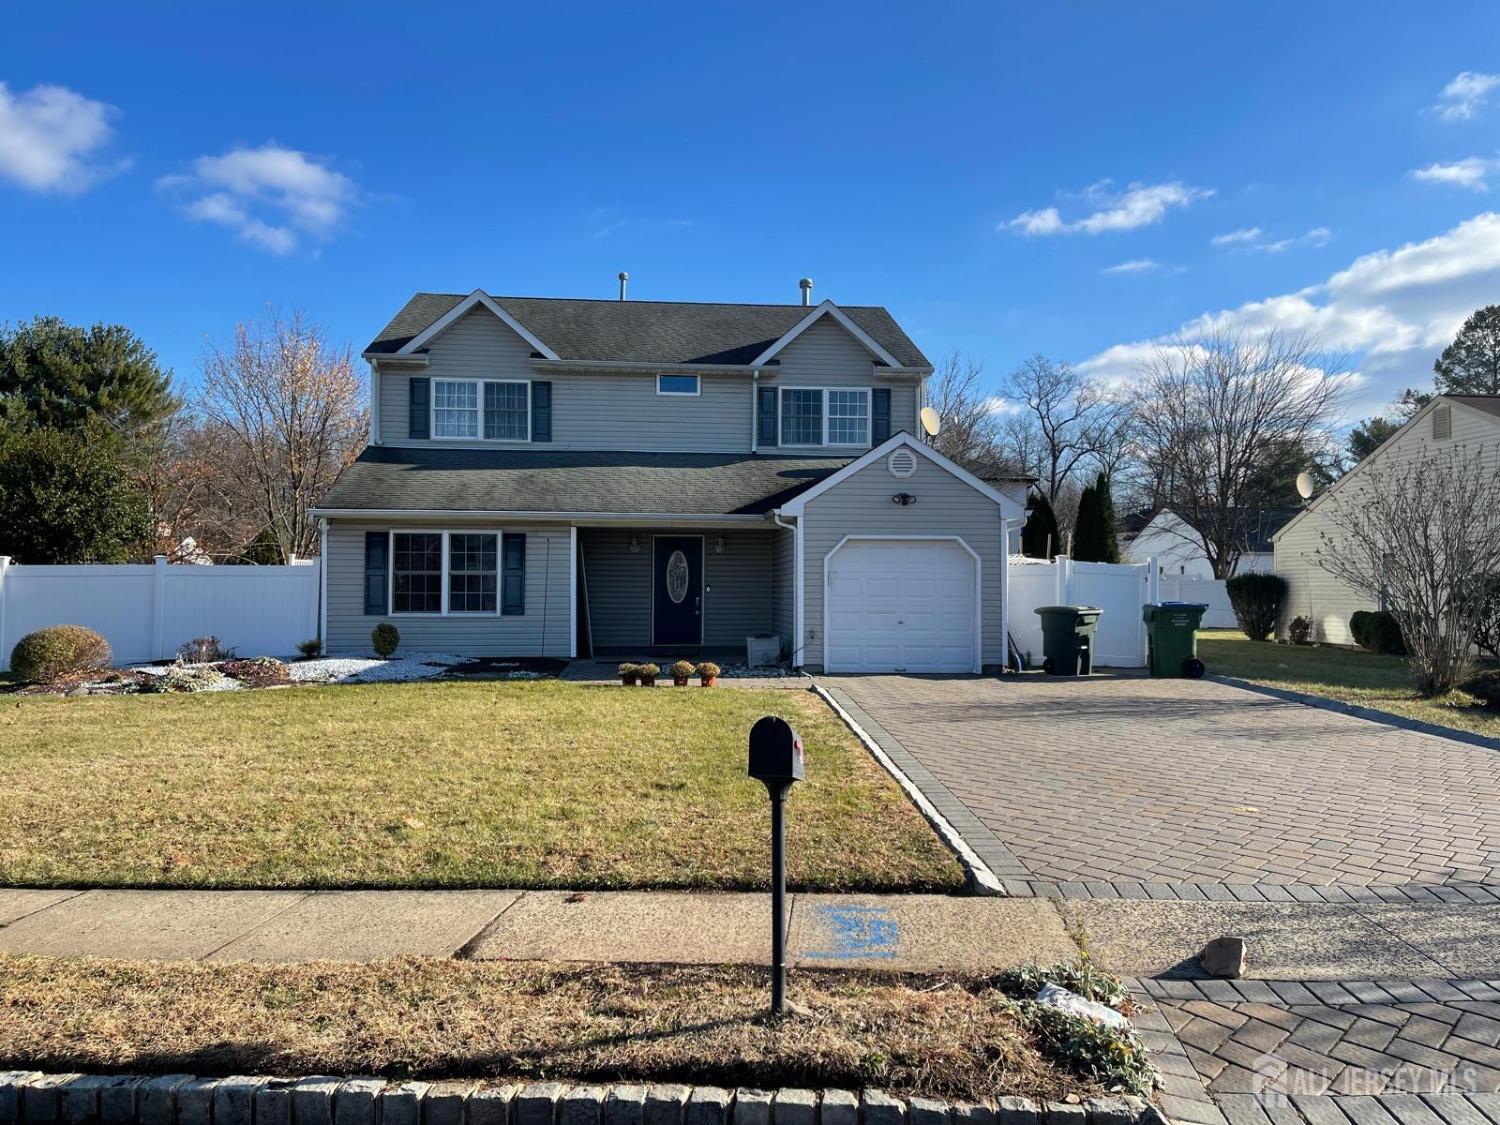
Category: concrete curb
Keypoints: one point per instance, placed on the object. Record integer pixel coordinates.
(29, 1096)
(1374, 715)
(981, 880)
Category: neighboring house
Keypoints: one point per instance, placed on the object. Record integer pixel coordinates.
(555, 477)
(1446, 421)
(1178, 548)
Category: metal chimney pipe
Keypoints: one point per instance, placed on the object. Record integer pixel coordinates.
(624, 277)
(806, 286)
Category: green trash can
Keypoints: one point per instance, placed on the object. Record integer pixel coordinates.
(1068, 638)
(1172, 638)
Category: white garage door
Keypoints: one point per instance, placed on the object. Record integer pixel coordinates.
(901, 606)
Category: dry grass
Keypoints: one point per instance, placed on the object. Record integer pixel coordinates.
(943, 1037)
(539, 784)
(1351, 675)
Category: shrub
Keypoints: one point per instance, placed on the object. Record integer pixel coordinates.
(385, 637)
(1485, 687)
(1081, 976)
(648, 672)
(184, 679)
(260, 671)
(1257, 600)
(1299, 632)
(1483, 595)
(682, 670)
(1114, 1057)
(310, 648)
(629, 673)
(708, 671)
(1377, 631)
(203, 650)
(57, 651)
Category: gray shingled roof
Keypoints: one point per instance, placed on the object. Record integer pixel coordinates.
(388, 478)
(649, 331)
(1490, 404)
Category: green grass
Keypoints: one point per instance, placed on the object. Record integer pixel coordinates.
(441, 785)
(1351, 675)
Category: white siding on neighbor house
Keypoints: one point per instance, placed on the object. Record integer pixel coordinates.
(545, 629)
(861, 505)
(1175, 546)
(1316, 594)
(737, 586)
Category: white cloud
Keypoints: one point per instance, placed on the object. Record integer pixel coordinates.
(1235, 237)
(1252, 240)
(1462, 98)
(1138, 206)
(1136, 265)
(272, 197)
(1471, 173)
(1392, 309)
(50, 137)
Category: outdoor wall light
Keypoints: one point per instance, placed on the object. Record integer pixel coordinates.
(719, 545)
(905, 499)
(635, 543)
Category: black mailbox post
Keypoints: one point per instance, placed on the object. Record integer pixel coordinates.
(776, 759)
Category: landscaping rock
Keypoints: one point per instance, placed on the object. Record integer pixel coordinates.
(353, 1102)
(312, 1100)
(1109, 1111)
(625, 1105)
(926, 1111)
(751, 1107)
(80, 1098)
(491, 1105)
(234, 1100)
(402, 1104)
(665, 1105)
(117, 1098)
(536, 1103)
(972, 1113)
(582, 1105)
(1224, 957)
(11, 1084)
(1061, 1113)
(273, 1102)
(444, 1102)
(839, 1107)
(157, 1099)
(794, 1107)
(195, 1101)
(1018, 1111)
(882, 1109)
(41, 1098)
(707, 1105)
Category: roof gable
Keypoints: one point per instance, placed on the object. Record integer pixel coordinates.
(828, 309)
(476, 299)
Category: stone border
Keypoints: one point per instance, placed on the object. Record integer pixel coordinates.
(1463, 894)
(1326, 993)
(182, 1099)
(1374, 715)
(933, 799)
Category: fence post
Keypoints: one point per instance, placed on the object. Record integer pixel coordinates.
(158, 605)
(5, 561)
(1064, 580)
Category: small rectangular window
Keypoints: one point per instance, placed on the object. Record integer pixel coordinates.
(472, 577)
(417, 572)
(801, 416)
(677, 384)
(848, 417)
(507, 412)
(455, 409)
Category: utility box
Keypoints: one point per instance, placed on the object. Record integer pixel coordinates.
(1172, 638)
(762, 650)
(775, 752)
(1068, 638)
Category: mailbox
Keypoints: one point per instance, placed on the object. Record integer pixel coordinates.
(775, 752)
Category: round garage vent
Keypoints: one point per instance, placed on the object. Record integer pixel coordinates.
(902, 463)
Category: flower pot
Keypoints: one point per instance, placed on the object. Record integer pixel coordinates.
(708, 681)
(679, 681)
(648, 681)
(629, 681)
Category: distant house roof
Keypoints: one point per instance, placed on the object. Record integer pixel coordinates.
(386, 478)
(1133, 523)
(1490, 404)
(678, 332)
(1254, 527)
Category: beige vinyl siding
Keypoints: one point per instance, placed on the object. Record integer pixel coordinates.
(737, 586)
(784, 586)
(544, 630)
(827, 356)
(861, 505)
(1316, 594)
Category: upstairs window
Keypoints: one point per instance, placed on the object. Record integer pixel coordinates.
(848, 417)
(494, 410)
(507, 411)
(801, 416)
(455, 409)
(677, 385)
(417, 572)
(825, 416)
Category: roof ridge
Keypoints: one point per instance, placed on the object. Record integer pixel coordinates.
(634, 301)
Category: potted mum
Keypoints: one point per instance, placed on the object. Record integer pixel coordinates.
(629, 673)
(649, 672)
(708, 673)
(680, 673)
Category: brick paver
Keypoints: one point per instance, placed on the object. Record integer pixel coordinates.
(1144, 788)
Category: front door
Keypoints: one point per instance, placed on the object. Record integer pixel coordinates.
(677, 590)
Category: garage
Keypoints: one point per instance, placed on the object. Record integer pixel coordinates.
(902, 605)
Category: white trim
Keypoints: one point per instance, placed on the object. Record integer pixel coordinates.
(603, 519)
(414, 362)
(479, 385)
(374, 402)
(322, 586)
(1004, 593)
(798, 503)
(702, 589)
(754, 410)
(799, 653)
(573, 577)
(446, 573)
(978, 664)
(693, 375)
(448, 610)
(827, 308)
(478, 297)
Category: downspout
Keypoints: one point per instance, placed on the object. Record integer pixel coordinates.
(754, 406)
(796, 530)
(1005, 659)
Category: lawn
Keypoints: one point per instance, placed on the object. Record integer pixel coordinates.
(1351, 675)
(941, 1036)
(541, 784)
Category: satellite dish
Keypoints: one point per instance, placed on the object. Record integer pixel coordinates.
(1305, 487)
(931, 422)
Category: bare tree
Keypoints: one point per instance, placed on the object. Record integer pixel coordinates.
(1064, 420)
(1413, 535)
(1212, 409)
(287, 413)
(970, 426)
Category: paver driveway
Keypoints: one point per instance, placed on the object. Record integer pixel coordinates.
(1132, 782)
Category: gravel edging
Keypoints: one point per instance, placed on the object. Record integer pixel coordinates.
(1373, 714)
(182, 1099)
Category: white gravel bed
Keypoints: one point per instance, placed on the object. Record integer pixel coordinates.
(372, 669)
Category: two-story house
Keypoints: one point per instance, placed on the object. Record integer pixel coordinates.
(555, 477)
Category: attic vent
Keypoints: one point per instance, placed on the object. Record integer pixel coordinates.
(1442, 422)
(902, 463)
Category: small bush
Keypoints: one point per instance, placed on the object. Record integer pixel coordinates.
(184, 679)
(310, 648)
(1377, 631)
(57, 651)
(203, 650)
(260, 671)
(1114, 1057)
(648, 672)
(708, 670)
(629, 673)
(1081, 976)
(1485, 687)
(385, 637)
(1257, 601)
(1299, 632)
(682, 670)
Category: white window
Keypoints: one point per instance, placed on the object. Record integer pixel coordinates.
(455, 409)
(417, 572)
(472, 573)
(507, 411)
(801, 416)
(676, 384)
(849, 417)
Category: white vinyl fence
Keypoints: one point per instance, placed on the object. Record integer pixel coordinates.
(1119, 589)
(147, 611)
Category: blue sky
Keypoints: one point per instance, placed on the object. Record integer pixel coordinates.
(983, 169)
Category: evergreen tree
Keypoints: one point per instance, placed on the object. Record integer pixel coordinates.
(1039, 535)
(1107, 519)
(1370, 435)
(1088, 528)
(1471, 364)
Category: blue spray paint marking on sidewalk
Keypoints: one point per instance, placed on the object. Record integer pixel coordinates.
(858, 933)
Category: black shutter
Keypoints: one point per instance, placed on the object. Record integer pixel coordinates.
(880, 415)
(513, 575)
(418, 414)
(541, 413)
(766, 404)
(377, 544)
